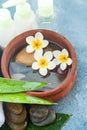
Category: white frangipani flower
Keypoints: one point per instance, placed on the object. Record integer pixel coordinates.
(43, 62)
(62, 58)
(36, 43)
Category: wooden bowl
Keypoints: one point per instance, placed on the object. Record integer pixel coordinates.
(19, 41)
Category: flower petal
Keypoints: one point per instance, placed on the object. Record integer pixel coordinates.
(29, 49)
(45, 43)
(39, 35)
(39, 51)
(51, 66)
(56, 53)
(38, 55)
(64, 51)
(69, 61)
(56, 61)
(35, 66)
(63, 66)
(29, 39)
(43, 71)
(48, 55)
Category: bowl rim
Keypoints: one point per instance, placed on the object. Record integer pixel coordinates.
(57, 89)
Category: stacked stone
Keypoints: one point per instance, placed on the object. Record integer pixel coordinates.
(41, 115)
(16, 116)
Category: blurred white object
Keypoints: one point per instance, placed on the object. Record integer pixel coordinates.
(24, 17)
(7, 30)
(11, 3)
(45, 8)
(18, 76)
(2, 116)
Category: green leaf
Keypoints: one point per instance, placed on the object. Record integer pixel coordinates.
(14, 86)
(23, 98)
(61, 119)
(57, 125)
(5, 127)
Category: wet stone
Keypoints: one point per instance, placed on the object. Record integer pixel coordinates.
(18, 68)
(48, 49)
(18, 76)
(25, 58)
(63, 73)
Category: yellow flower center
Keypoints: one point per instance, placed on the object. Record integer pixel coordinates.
(37, 44)
(43, 63)
(63, 58)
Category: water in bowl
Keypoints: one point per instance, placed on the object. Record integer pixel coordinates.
(21, 72)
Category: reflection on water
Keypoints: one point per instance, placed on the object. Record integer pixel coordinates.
(18, 71)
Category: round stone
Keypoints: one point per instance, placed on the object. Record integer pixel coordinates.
(25, 58)
(50, 119)
(38, 113)
(63, 73)
(20, 126)
(15, 108)
(19, 118)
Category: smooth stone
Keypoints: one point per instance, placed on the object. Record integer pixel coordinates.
(50, 119)
(25, 58)
(15, 108)
(53, 79)
(38, 113)
(16, 118)
(20, 126)
(17, 76)
(18, 68)
(48, 49)
(63, 73)
(52, 47)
